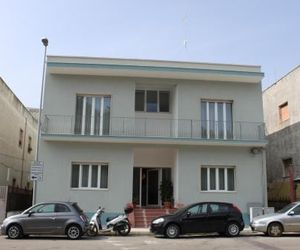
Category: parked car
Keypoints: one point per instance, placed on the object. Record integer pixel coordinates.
(50, 218)
(204, 217)
(284, 220)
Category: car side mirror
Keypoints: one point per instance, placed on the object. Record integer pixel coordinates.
(188, 214)
(30, 213)
(291, 213)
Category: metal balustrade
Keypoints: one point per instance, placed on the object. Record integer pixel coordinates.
(154, 128)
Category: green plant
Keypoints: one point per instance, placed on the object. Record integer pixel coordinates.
(166, 190)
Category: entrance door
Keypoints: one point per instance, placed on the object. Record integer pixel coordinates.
(152, 186)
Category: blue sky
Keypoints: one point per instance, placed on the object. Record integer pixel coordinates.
(259, 32)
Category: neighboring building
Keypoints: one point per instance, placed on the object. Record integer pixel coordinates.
(282, 117)
(114, 128)
(18, 134)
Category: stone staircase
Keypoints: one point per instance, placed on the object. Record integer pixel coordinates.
(144, 216)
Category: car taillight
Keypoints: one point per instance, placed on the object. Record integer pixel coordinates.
(82, 217)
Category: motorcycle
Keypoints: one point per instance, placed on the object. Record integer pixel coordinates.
(119, 224)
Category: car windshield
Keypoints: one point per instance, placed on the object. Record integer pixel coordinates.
(286, 208)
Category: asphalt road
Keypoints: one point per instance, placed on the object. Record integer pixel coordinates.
(209, 242)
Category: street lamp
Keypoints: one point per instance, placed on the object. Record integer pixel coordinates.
(45, 43)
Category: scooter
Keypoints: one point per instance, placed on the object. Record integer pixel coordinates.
(119, 224)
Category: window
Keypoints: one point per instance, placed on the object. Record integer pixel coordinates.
(297, 210)
(29, 149)
(89, 176)
(284, 112)
(216, 119)
(44, 208)
(21, 137)
(287, 167)
(152, 101)
(60, 208)
(198, 209)
(218, 208)
(92, 115)
(217, 178)
(139, 100)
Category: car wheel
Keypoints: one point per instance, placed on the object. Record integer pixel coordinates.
(172, 231)
(275, 229)
(232, 229)
(14, 231)
(74, 232)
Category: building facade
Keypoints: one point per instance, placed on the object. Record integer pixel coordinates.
(282, 117)
(18, 133)
(115, 128)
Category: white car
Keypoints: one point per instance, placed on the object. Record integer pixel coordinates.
(284, 220)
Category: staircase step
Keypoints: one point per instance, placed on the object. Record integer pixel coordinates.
(144, 216)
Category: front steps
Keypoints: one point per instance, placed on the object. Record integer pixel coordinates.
(144, 216)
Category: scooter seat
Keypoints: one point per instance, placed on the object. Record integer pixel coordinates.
(111, 218)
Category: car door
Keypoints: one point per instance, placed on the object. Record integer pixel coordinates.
(40, 219)
(217, 218)
(291, 220)
(63, 214)
(194, 219)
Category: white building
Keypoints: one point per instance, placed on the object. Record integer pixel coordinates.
(114, 128)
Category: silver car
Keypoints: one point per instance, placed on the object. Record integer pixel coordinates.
(285, 220)
(51, 218)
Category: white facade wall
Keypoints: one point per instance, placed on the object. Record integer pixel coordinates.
(186, 95)
(249, 176)
(56, 185)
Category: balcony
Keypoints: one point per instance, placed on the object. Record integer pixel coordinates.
(154, 129)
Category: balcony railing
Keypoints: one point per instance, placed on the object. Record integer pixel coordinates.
(153, 128)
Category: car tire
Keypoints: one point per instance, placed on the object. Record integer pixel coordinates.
(275, 229)
(232, 229)
(172, 231)
(14, 231)
(74, 232)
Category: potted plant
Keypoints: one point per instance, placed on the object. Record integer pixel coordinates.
(166, 193)
(135, 201)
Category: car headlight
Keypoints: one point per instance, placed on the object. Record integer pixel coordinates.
(159, 220)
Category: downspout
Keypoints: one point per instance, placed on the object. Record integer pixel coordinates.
(264, 178)
(23, 153)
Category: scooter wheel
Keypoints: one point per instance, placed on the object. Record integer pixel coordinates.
(124, 230)
(92, 231)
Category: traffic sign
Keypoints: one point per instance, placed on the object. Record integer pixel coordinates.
(37, 169)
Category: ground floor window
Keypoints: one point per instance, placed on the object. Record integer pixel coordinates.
(217, 178)
(86, 175)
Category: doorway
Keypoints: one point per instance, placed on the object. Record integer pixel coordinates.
(146, 183)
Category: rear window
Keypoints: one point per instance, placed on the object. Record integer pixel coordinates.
(77, 208)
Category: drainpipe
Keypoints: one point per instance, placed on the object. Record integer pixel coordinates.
(23, 153)
(264, 178)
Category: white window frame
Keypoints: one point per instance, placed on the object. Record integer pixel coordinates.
(217, 178)
(158, 100)
(89, 187)
(83, 114)
(216, 117)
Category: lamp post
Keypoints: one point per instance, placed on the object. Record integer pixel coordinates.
(45, 43)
